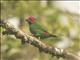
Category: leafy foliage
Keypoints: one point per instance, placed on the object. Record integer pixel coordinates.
(46, 14)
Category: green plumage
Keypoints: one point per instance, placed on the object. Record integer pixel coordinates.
(37, 30)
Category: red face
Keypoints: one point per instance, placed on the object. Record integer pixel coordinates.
(31, 20)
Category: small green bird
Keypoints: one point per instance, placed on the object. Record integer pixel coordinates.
(37, 30)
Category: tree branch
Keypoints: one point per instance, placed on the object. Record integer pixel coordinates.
(36, 42)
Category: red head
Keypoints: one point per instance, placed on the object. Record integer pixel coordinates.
(31, 20)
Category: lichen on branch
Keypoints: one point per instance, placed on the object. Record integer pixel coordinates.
(25, 38)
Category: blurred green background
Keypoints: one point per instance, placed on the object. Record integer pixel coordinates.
(63, 23)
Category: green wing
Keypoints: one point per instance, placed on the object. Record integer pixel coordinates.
(37, 29)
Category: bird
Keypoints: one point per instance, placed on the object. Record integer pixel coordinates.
(37, 29)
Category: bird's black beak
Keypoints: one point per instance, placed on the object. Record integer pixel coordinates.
(27, 20)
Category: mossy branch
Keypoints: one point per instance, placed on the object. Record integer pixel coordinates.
(10, 29)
